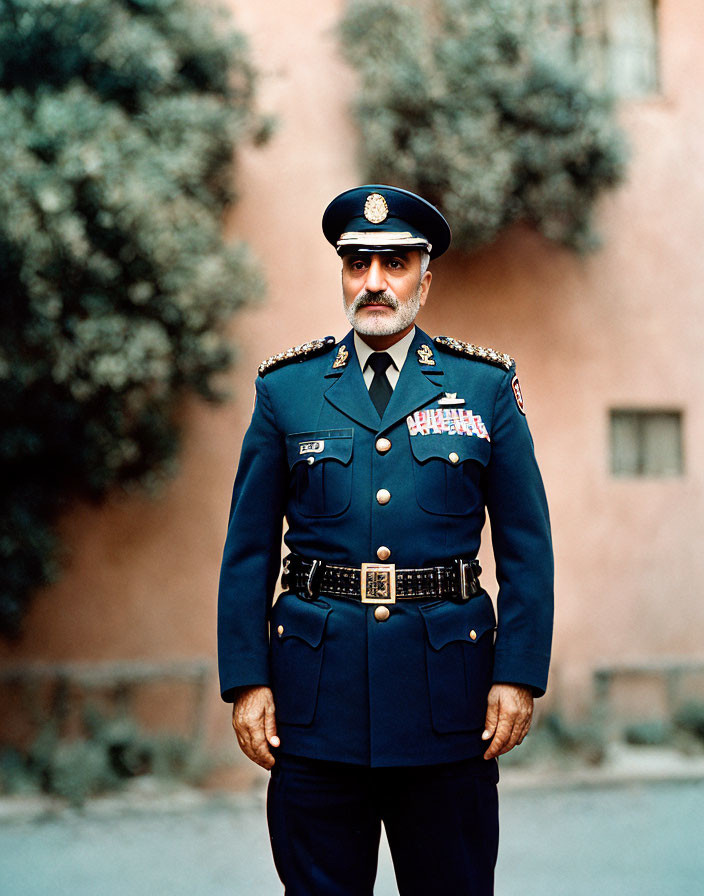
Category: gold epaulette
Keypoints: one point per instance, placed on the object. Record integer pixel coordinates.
(297, 353)
(490, 355)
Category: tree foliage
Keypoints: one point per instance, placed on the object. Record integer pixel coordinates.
(457, 103)
(118, 120)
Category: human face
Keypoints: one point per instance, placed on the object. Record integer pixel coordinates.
(383, 292)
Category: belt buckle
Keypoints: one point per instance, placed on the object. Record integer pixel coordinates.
(378, 583)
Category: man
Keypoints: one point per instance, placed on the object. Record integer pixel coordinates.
(379, 687)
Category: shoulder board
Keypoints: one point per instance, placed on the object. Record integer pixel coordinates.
(478, 352)
(297, 353)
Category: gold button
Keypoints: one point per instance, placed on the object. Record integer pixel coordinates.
(280, 630)
(381, 614)
(383, 445)
(454, 457)
(473, 635)
(383, 496)
(383, 553)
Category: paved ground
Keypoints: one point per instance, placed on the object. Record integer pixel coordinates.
(638, 839)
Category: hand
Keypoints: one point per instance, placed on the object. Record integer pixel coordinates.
(508, 716)
(255, 724)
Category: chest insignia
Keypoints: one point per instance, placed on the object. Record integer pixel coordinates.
(311, 447)
(341, 359)
(425, 355)
(453, 421)
(450, 400)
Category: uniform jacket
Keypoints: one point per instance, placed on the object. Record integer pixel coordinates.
(412, 689)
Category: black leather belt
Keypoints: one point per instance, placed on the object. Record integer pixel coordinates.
(382, 583)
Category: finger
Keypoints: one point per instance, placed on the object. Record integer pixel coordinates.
(511, 740)
(492, 718)
(270, 726)
(525, 728)
(260, 749)
(248, 735)
(501, 737)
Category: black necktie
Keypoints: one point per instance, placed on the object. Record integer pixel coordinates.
(380, 389)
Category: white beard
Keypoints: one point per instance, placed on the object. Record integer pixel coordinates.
(380, 323)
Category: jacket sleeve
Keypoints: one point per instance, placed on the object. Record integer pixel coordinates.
(252, 554)
(520, 531)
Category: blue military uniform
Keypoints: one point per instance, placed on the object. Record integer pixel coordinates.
(414, 685)
(390, 687)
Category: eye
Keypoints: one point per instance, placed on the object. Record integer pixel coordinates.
(356, 264)
(396, 264)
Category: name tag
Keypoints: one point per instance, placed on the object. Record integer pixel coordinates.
(312, 447)
(453, 421)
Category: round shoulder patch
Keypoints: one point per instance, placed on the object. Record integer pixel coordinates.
(518, 394)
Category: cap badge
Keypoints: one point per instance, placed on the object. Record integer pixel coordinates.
(425, 355)
(342, 356)
(375, 208)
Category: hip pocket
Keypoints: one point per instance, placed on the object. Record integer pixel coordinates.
(459, 653)
(296, 656)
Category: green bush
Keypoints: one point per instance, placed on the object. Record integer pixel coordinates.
(457, 102)
(690, 718)
(109, 752)
(118, 121)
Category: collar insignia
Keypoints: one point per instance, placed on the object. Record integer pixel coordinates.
(342, 356)
(375, 208)
(425, 355)
(450, 400)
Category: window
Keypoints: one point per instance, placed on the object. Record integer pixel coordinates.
(646, 443)
(614, 40)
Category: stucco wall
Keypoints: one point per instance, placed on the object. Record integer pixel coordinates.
(622, 328)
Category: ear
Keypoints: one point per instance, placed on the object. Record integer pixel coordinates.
(425, 286)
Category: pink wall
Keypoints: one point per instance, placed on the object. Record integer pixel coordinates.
(621, 328)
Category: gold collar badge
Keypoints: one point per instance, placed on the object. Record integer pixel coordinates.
(342, 356)
(375, 208)
(425, 355)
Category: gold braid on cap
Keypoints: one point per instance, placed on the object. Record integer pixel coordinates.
(297, 353)
(478, 352)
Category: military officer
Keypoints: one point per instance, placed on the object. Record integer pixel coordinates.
(381, 686)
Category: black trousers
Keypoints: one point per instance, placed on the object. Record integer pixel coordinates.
(441, 822)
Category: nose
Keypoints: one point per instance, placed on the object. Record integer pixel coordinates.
(376, 278)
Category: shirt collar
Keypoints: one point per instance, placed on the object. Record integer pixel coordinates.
(398, 351)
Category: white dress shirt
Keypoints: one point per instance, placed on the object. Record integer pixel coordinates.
(397, 352)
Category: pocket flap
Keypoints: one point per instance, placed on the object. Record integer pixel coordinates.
(448, 622)
(298, 618)
(453, 450)
(323, 444)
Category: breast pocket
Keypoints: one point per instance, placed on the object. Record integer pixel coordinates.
(321, 470)
(297, 645)
(460, 659)
(447, 470)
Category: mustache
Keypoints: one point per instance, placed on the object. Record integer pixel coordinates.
(375, 298)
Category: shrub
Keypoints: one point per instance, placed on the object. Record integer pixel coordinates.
(457, 103)
(118, 121)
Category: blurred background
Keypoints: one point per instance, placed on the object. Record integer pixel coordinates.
(163, 174)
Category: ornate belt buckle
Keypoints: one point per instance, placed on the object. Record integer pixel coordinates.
(378, 583)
